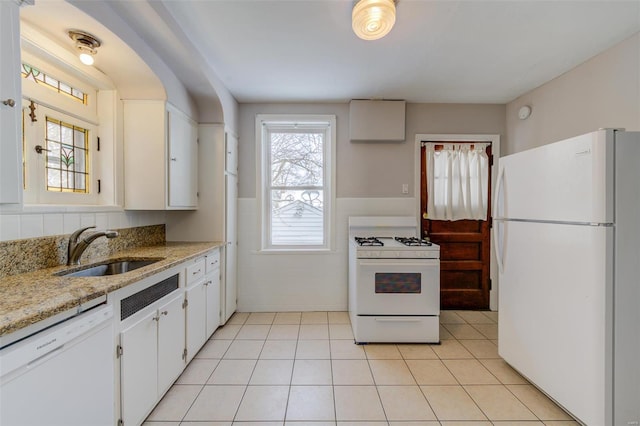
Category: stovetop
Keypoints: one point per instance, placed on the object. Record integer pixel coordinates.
(390, 247)
(393, 242)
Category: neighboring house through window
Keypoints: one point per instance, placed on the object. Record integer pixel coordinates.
(296, 183)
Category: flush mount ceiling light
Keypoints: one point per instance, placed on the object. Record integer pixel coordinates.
(86, 45)
(373, 19)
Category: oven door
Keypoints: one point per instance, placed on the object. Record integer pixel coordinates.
(398, 287)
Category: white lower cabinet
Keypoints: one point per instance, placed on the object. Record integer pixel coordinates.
(165, 320)
(152, 357)
(196, 313)
(203, 302)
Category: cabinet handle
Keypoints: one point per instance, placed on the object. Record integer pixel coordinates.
(164, 313)
(9, 102)
(208, 282)
(174, 159)
(157, 318)
(196, 272)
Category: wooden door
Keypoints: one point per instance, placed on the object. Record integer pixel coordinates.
(464, 252)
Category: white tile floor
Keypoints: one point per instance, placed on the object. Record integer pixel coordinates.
(303, 369)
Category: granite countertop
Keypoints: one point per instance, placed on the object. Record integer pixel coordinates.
(34, 296)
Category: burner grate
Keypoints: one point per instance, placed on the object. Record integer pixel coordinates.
(413, 241)
(368, 241)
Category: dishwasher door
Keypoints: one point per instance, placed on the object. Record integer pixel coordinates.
(63, 375)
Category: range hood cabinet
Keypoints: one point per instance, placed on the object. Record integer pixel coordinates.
(376, 121)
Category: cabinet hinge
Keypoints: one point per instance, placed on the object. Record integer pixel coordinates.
(185, 303)
(184, 354)
(119, 351)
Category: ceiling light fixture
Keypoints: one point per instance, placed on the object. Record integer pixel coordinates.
(373, 19)
(86, 45)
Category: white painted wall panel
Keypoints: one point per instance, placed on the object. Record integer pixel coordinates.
(302, 281)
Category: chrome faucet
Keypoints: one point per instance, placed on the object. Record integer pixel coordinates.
(76, 248)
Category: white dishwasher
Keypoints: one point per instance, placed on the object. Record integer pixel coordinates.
(63, 375)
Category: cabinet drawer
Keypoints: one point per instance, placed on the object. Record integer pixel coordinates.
(195, 272)
(212, 261)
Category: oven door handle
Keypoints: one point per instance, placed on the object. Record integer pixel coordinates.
(404, 319)
(381, 262)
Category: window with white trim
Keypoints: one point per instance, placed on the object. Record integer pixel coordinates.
(60, 132)
(296, 180)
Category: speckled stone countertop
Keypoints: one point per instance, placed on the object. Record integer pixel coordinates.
(34, 296)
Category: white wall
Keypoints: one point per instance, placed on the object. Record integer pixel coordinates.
(369, 178)
(602, 92)
(299, 282)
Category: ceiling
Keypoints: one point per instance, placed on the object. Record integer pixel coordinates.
(450, 51)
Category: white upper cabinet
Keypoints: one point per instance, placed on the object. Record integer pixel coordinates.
(160, 157)
(10, 139)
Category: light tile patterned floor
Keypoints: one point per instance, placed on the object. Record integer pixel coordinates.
(303, 369)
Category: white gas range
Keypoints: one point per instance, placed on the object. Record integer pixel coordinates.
(394, 281)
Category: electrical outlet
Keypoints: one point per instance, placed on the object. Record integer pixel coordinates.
(405, 188)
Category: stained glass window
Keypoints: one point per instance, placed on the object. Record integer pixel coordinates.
(67, 157)
(34, 74)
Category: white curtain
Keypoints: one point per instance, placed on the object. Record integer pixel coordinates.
(457, 181)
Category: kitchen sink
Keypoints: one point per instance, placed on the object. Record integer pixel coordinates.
(114, 267)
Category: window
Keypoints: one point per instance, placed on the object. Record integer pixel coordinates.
(60, 135)
(67, 148)
(58, 152)
(295, 157)
(39, 77)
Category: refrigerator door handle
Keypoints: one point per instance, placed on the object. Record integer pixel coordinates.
(496, 197)
(496, 230)
(497, 241)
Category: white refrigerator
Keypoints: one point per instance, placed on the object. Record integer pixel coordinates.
(567, 240)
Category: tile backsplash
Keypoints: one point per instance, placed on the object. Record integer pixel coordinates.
(29, 254)
(34, 225)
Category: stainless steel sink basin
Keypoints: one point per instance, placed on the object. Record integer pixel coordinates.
(114, 267)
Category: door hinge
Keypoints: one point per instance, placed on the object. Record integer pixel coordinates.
(184, 354)
(98, 143)
(490, 284)
(185, 303)
(119, 351)
(491, 160)
(99, 186)
(490, 222)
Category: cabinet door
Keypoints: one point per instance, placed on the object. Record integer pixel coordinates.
(183, 160)
(139, 369)
(212, 284)
(171, 342)
(196, 317)
(10, 143)
(231, 230)
(231, 148)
